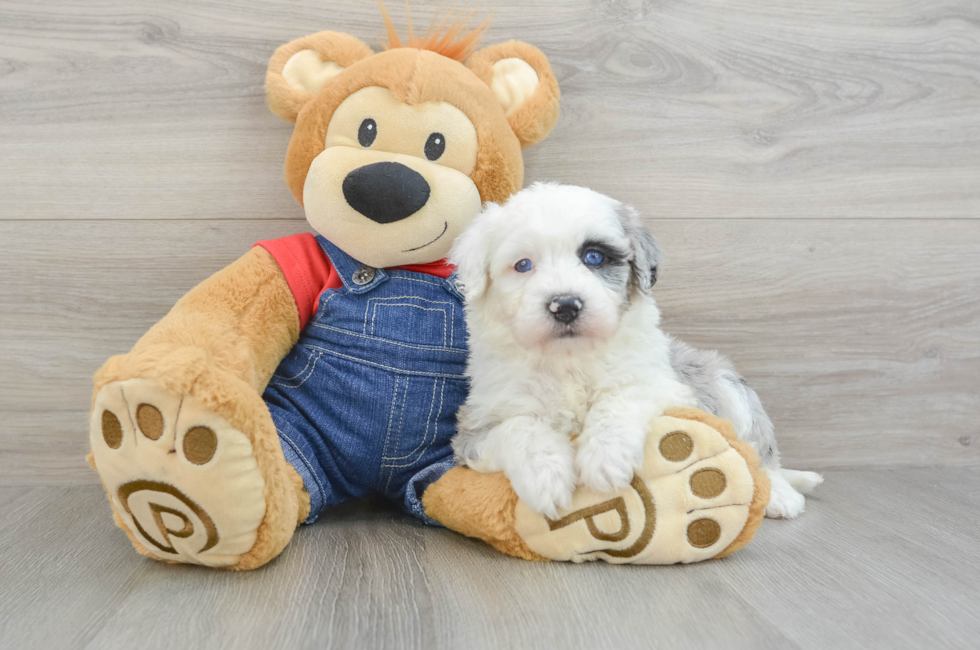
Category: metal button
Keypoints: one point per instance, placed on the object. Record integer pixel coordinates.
(364, 274)
(460, 287)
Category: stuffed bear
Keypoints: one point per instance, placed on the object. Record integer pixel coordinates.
(318, 369)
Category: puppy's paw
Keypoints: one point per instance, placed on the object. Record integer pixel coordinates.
(784, 501)
(606, 464)
(545, 484)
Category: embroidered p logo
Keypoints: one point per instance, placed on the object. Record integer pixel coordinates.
(688, 502)
(161, 513)
(619, 506)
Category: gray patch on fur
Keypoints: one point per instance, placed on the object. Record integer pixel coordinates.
(646, 253)
(723, 392)
(617, 277)
(614, 271)
(613, 275)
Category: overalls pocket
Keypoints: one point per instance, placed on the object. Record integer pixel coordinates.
(298, 366)
(419, 402)
(411, 319)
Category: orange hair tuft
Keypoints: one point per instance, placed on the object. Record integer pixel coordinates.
(452, 43)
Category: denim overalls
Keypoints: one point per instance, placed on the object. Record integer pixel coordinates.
(366, 401)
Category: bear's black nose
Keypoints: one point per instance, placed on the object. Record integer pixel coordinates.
(386, 192)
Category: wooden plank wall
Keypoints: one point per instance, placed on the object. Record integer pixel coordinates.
(812, 170)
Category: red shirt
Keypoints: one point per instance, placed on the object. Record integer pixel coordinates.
(309, 272)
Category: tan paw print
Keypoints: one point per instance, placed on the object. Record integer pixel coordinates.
(183, 481)
(690, 500)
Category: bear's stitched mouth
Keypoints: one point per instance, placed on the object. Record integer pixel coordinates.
(445, 227)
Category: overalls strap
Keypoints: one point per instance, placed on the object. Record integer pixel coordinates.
(357, 277)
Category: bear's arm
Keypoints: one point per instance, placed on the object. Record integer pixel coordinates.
(243, 317)
(307, 269)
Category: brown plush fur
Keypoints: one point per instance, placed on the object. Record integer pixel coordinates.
(220, 344)
(449, 40)
(478, 505)
(532, 121)
(243, 317)
(482, 505)
(286, 101)
(414, 77)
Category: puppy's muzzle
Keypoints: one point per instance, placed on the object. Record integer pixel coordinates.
(565, 309)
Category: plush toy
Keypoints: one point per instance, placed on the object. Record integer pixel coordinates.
(315, 370)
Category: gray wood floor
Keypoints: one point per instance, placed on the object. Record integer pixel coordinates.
(811, 169)
(881, 559)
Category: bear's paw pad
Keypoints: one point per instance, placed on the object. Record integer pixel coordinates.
(688, 503)
(184, 481)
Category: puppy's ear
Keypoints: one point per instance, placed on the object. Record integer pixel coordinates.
(520, 76)
(646, 254)
(471, 253)
(300, 68)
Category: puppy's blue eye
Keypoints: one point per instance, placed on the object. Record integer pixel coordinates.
(524, 266)
(593, 258)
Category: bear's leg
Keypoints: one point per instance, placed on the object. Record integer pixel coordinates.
(196, 475)
(699, 495)
(182, 440)
(478, 505)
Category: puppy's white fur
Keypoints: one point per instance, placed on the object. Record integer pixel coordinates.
(554, 404)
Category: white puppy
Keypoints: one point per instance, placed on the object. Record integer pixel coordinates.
(567, 361)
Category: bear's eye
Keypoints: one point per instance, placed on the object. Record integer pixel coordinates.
(367, 133)
(435, 146)
(524, 266)
(593, 257)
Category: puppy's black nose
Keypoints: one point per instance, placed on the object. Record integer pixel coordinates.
(386, 192)
(565, 309)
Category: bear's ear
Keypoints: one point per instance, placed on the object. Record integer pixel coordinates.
(300, 68)
(520, 76)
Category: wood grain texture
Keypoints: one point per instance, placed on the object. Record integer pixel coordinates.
(811, 171)
(154, 109)
(863, 338)
(880, 559)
